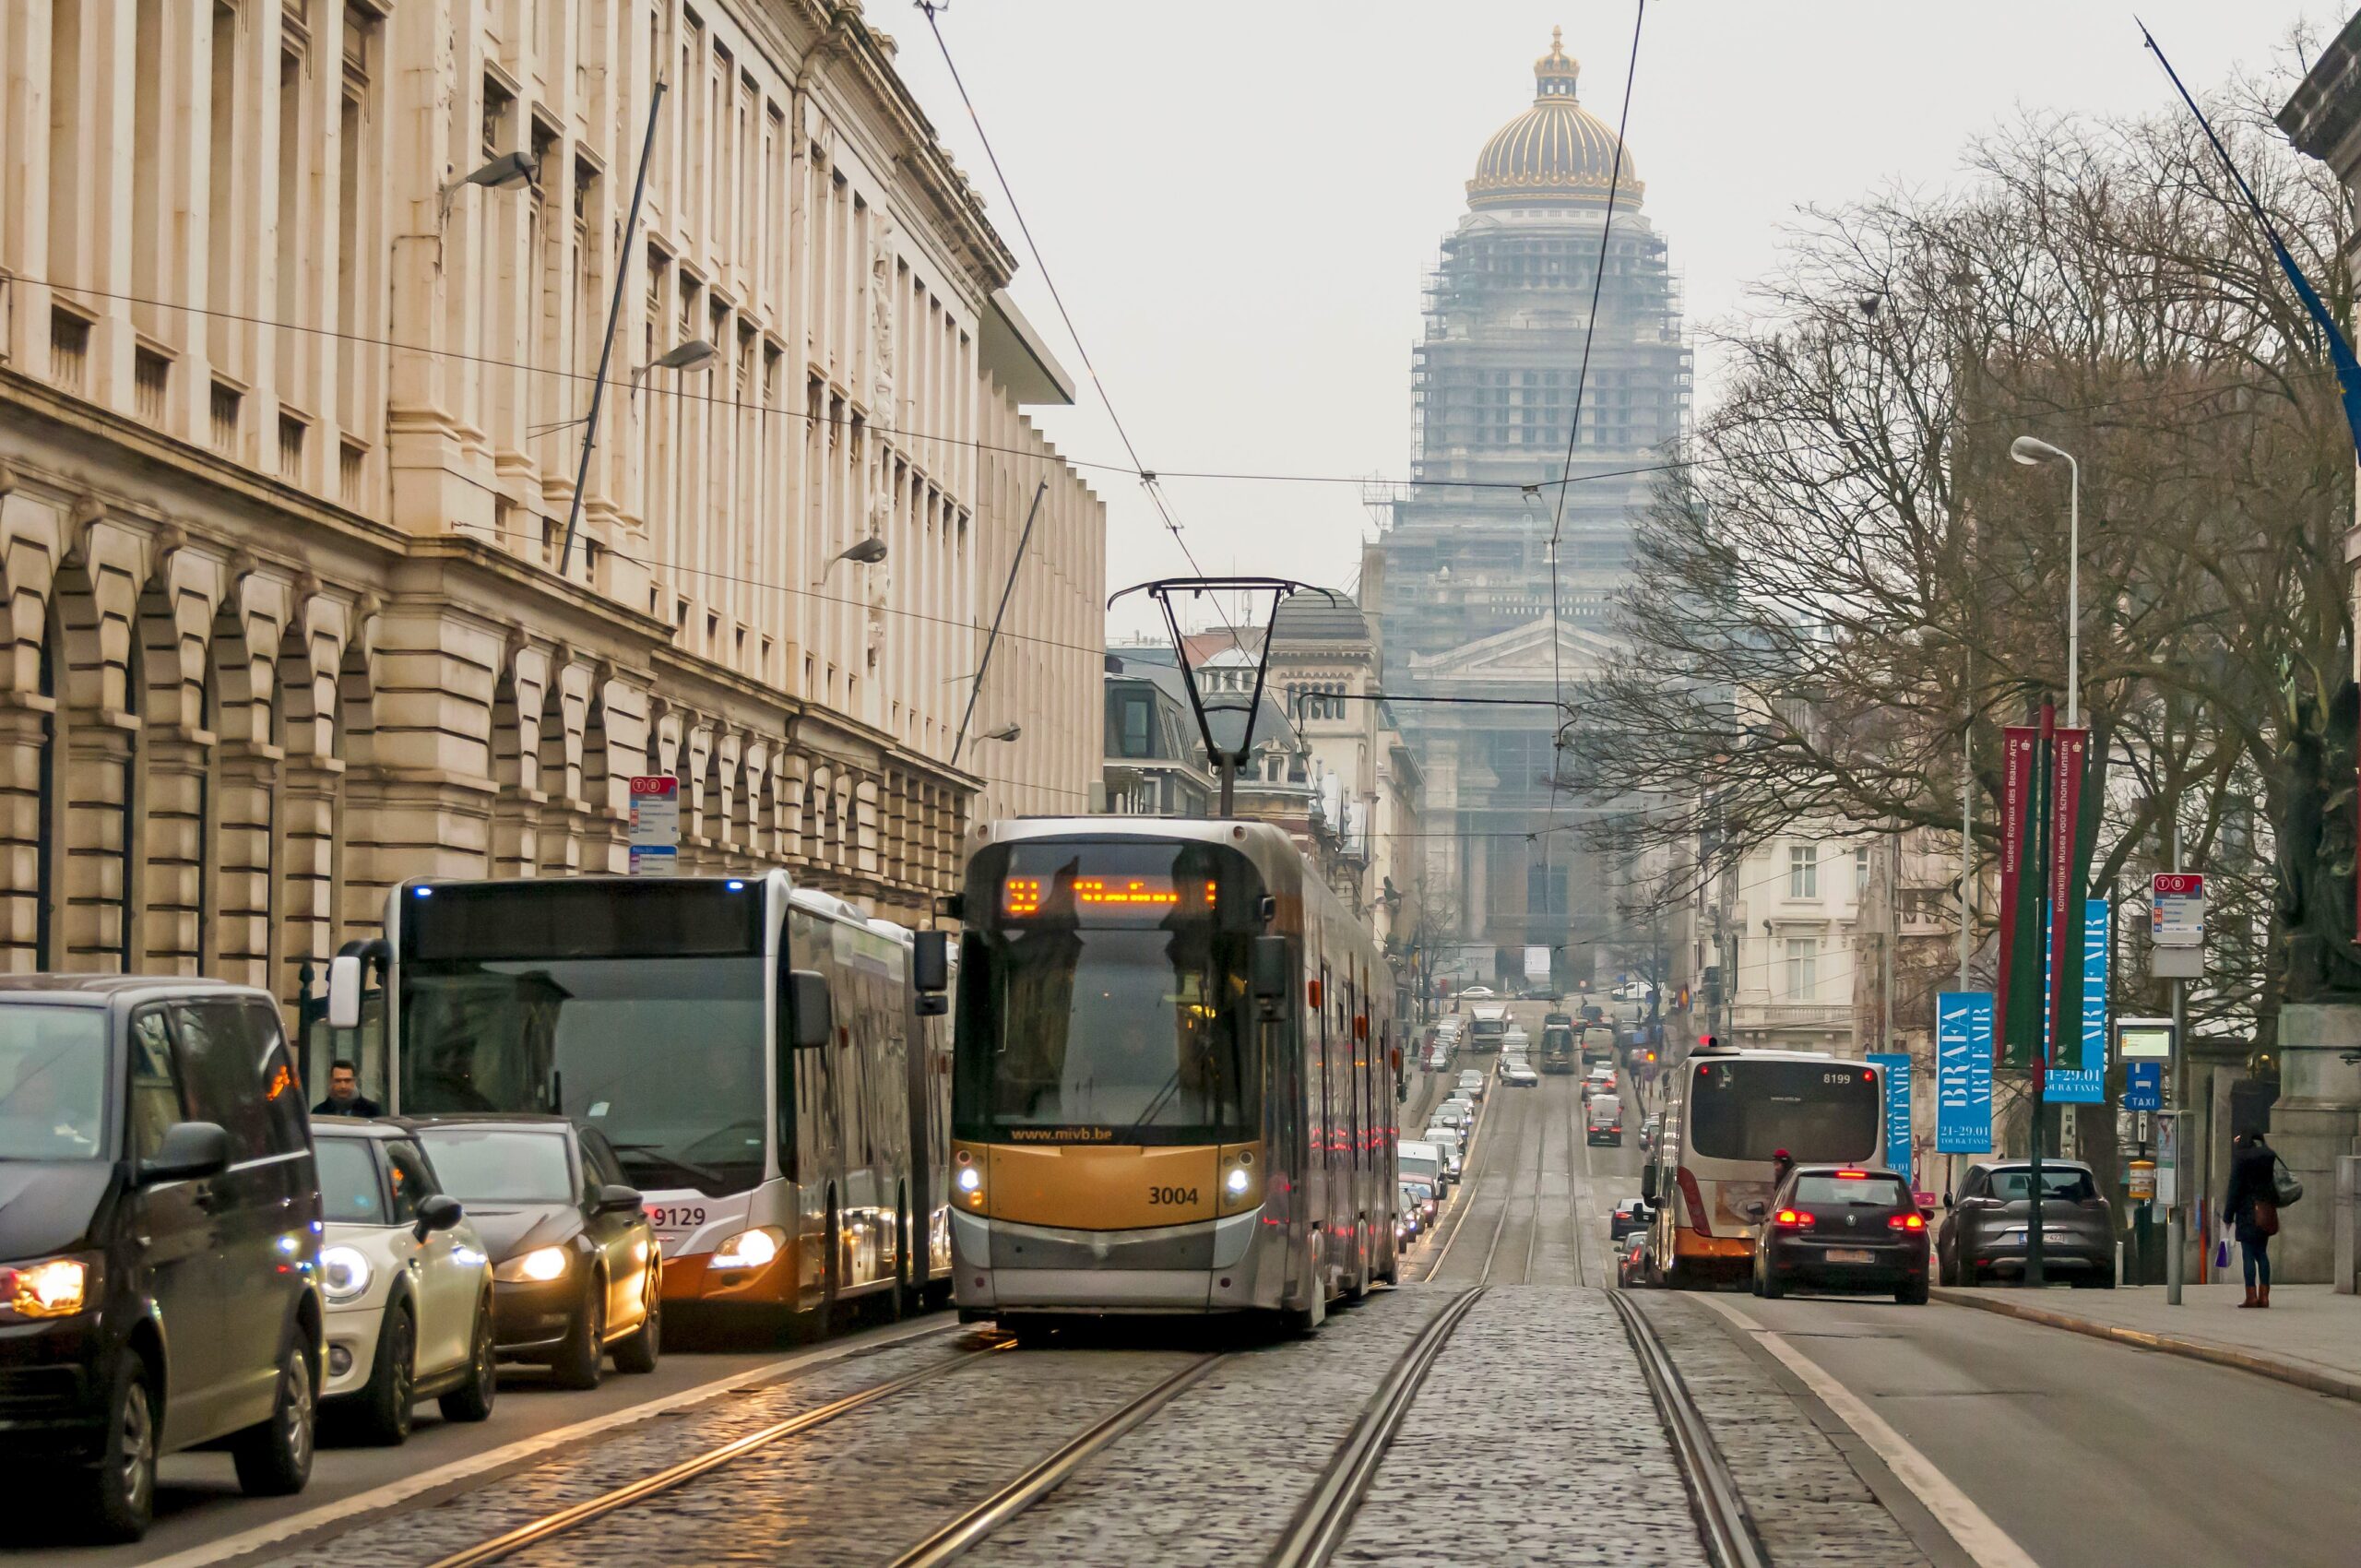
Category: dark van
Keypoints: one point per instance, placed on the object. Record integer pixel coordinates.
(160, 1224)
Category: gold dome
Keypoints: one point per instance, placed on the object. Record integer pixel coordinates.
(1556, 153)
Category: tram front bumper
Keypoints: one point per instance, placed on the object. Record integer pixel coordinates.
(1212, 1265)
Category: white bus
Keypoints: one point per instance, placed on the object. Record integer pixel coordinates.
(1727, 1115)
(744, 1045)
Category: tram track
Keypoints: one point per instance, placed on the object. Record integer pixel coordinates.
(1723, 1525)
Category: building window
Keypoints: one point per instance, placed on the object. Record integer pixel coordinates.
(1803, 969)
(1803, 871)
(1138, 714)
(1861, 872)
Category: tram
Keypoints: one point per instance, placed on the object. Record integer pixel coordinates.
(1173, 1081)
(756, 1054)
(1727, 1114)
(1558, 1043)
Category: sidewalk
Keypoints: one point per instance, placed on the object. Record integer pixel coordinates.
(2311, 1336)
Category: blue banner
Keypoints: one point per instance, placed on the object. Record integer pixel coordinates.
(2143, 1086)
(1895, 1065)
(2087, 1083)
(1963, 1071)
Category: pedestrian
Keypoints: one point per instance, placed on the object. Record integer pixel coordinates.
(2252, 1209)
(1781, 1164)
(344, 1098)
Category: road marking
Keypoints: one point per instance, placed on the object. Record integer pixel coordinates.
(350, 1510)
(1969, 1527)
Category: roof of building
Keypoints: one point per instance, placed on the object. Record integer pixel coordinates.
(1314, 617)
(1556, 153)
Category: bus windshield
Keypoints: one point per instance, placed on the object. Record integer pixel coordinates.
(1743, 1109)
(1103, 995)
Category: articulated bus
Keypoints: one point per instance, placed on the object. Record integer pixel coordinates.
(1173, 1084)
(1727, 1114)
(753, 1052)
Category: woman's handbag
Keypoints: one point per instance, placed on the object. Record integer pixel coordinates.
(2284, 1188)
(2266, 1219)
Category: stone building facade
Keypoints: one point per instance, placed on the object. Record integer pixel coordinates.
(290, 414)
(1460, 578)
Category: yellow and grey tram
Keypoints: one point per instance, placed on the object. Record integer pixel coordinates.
(1173, 1081)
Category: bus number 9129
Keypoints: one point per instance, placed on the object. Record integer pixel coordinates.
(1172, 1195)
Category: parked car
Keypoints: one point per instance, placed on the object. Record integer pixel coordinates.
(1650, 1127)
(1841, 1227)
(575, 1268)
(1982, 1234)
(1629, 1216)
(1421, 1161)
(159, 1239)
(1419, 1197)
(408, 1283)
(1478, 993)
(1446, 1139)
(1471, 1084)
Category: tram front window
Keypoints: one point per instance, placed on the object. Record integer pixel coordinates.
(662, 1055)
(1104, 999)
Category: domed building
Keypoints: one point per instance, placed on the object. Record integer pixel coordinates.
(1459, 578)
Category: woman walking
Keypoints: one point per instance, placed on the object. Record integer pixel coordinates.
(2252, 1209)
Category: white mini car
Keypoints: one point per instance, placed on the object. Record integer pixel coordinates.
(406, 1280)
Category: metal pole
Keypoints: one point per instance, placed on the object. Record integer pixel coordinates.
(607, 344)
(976, 689)
(2073, 592)
(2176, 1217)
(1967, 831)
(2045, 803)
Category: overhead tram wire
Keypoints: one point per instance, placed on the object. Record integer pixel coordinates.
(1582, 376)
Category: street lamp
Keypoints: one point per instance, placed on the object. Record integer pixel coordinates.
(694, 355)
(865, 553)
(1005, 733)
(504, 172)
(2027, 450)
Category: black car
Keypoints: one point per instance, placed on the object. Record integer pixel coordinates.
(1842, 1227)
(1629, 1216)
(575, 1268)
(1984, 1232)
(160, 1234)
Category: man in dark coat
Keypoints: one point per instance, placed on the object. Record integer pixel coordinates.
(344, 1098)
(2253, 1198)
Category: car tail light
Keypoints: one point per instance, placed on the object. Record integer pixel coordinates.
(1792, 1220)
(1851, 1175)
(1906, 1222)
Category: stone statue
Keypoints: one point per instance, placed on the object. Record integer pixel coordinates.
(880, 322)
(2316, 849)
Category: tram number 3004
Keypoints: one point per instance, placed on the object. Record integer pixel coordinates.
(1172, 1195)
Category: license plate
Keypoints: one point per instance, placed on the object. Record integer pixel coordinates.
(1849, 1254)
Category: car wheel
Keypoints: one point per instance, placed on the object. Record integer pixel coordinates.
(383, 1407)
(582, 1358)
(1912, 1293)
(472, 1400)
(118, 1494)
(1774, 1288)
(274, 1457)
(637, 1351)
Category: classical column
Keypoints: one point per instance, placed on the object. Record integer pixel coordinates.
(245, 881)
(25, 721)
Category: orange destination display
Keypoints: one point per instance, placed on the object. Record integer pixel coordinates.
(1073, 891)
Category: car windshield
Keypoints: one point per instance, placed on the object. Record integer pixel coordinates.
(2016, 1186)
(348, 1191)
(501, 1164)
(52, 1081)
(1853, 1192)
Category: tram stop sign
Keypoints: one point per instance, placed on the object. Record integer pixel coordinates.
(655, 825)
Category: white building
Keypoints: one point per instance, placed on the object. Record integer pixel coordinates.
(1789, 913)
(301, 305)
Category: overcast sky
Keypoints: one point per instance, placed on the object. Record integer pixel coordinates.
(1239, 198)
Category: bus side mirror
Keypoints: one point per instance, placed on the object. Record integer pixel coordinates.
(344, 992)
(807, 1000)
(931, 972)
(1271, 975)
(1648, 1185)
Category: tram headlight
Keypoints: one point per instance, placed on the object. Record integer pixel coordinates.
(1238, 1182)
(971, 1180)
(749, 1248)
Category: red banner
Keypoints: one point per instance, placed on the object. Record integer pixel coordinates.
(2069, 751)
(2020, 747)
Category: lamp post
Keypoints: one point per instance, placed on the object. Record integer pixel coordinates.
(2027, 450)
(694, 355)
(864, 553)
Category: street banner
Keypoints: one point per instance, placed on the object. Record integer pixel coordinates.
(2085, 1084)
(2067, 750)
(2020, 988)
(1895, 1065)
(1963, 1071)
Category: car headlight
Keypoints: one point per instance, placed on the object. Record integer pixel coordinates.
(344, 1273)
(52, 1287)
(539, 1266)
(749, 1248)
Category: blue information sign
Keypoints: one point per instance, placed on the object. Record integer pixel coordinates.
(1895, 1065)
(2087, 1085)
(2143, 1086)
(1963, 1071)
